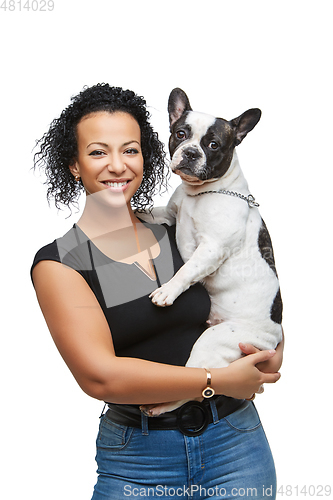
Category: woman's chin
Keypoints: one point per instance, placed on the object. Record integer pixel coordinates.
(108, 199)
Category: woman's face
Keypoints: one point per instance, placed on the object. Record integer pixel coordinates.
(110, 161)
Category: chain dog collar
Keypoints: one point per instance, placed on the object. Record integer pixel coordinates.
(249, 199)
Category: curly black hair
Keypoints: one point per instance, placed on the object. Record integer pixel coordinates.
(58, 147)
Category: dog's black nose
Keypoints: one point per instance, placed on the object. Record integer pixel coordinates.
(191, 153)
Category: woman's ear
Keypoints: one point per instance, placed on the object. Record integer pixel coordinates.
(75, 170)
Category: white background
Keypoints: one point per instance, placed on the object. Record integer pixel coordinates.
(228, 56)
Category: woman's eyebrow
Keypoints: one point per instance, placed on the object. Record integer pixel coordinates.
(130, 142)
(99, 144)
(106, 145)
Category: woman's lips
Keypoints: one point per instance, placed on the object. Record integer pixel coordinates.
(117, 186)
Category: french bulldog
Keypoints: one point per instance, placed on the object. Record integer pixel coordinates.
(221, 237)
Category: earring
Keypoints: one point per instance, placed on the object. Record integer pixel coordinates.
(77, 178)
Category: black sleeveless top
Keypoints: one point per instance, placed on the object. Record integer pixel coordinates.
(139, 328)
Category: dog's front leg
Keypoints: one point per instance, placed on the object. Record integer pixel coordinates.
(204, 261)
(159, 215)
(167, 214)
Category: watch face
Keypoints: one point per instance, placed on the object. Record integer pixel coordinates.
(208, 392)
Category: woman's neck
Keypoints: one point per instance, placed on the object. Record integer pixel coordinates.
(98, 219)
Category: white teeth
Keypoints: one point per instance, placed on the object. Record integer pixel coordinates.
(116, 184)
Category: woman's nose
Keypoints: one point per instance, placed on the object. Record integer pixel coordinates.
(117, 164)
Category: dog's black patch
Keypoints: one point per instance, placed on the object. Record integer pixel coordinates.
(266, 250)
(276, 309)
(265, 246)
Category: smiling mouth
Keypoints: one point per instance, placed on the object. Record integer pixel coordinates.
(116, 186)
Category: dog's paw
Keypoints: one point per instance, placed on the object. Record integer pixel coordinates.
(214, 321)
(164, 296)
(147, 410)
(156, 410)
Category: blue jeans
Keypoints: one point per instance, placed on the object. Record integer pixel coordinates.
(231, 459)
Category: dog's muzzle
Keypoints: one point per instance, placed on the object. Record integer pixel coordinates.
(191, 154)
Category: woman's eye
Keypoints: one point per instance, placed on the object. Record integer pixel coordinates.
(131, 151)
(96, 153)
(180, 134)
(213, 145)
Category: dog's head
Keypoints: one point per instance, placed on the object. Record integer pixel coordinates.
(201, 146)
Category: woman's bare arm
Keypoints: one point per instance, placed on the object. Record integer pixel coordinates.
(83, 338)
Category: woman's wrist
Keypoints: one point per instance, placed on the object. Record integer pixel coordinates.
(208, 391)
(219, 380)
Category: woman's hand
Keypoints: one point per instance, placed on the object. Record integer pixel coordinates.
(242, 378)
(273, 364)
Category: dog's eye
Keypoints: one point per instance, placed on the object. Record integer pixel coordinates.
(213, 145)
(180, 134)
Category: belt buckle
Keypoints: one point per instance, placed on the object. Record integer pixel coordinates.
(187, 407)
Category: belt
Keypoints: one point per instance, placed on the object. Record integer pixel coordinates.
(191, 419)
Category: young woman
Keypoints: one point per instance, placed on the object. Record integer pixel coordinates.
(93, 286)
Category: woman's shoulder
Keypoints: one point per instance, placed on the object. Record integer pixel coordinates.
(70, 249)
(47, 252)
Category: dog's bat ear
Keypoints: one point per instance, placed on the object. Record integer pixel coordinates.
(177, 105)
(245, 123)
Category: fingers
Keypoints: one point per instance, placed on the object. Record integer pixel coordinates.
(261, 356)
(247, 348)
(271, 378)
